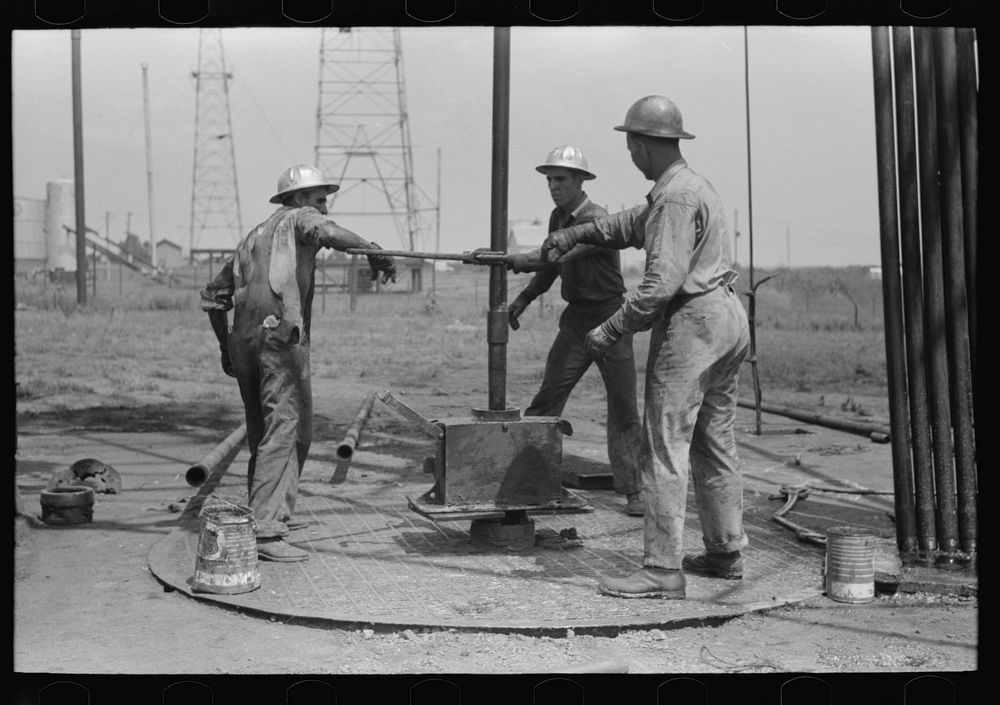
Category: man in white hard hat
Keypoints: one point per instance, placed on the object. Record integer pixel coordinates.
(593, 289)
(268, 284)
(699, 337)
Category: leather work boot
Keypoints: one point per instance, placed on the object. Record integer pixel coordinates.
(648, 582)
(278, 550)
(634, 506)
(728, 566)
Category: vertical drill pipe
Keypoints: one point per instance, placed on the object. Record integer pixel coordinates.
(345, 449)
(496, 329)
(892, 302)
(934, 314)
(956, 306)
(920, 427)
(968, 115)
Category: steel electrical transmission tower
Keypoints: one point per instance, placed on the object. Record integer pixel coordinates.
(363, 134)
(215, 198)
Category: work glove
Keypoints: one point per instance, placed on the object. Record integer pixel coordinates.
(517, 263)
(227, 365)
(515, 309)
(381, 263)
(524, 261)
(603, 337)
(558, 243)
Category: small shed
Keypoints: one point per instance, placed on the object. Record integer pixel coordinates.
(169, 254)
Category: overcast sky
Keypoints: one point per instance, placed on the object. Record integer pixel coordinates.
(814, 190)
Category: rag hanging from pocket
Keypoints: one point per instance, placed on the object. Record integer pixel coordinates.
(282, 273)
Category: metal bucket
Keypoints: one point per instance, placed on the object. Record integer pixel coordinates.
(850, 564)
(226, 563)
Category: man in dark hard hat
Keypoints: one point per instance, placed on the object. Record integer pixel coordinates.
(593, 289)
(268, 283)
(699, 337)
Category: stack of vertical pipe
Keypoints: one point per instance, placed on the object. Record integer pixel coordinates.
(926, 133)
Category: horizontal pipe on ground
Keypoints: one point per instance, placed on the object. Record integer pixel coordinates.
(345, 449)
(199, 472)
(876, 432)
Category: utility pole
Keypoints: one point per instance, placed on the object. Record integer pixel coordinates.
(736, 238)
(128, 231)
(107, 236)
(81, 221)
(437, 226)
(788, 247)
(752, 294)
(149, 166)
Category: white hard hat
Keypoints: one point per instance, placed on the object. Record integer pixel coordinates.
(568, 157)
(655, 116)
(301, 177)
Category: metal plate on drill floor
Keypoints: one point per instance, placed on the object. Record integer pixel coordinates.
(586, 473)
(571, 502)
(375, 561)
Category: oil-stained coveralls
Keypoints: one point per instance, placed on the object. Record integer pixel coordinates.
(593, 288)
(269, 285)
(699, 337)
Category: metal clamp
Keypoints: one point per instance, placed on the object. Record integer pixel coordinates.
(406, 412)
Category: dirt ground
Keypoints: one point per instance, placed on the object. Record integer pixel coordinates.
(86, 603)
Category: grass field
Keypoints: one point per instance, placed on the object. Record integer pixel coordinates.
(138, 340)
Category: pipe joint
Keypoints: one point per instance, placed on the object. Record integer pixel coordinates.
(496, 327)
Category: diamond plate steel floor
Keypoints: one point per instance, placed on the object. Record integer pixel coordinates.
(377, 562)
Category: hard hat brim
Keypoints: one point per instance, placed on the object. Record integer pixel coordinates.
(280, 196)
(681, 135)
(587, 176)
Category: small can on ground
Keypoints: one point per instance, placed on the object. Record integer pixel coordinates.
(850, 564)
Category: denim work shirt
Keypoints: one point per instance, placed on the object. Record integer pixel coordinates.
(590, 274)
(271, 277)
(683, 230)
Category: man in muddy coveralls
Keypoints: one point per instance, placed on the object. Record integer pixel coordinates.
(268, 284)
(593, 289)
(699, 337)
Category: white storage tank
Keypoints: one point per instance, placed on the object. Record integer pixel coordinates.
(60, 211)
